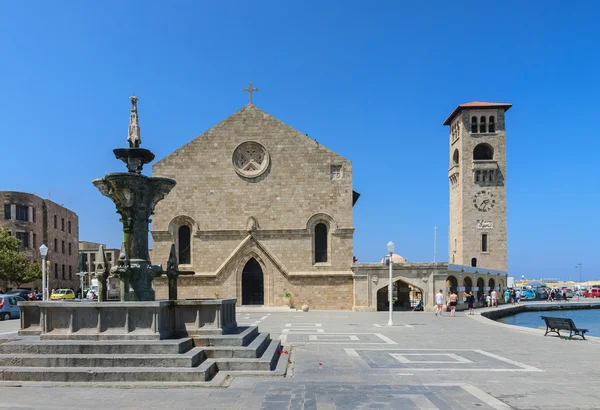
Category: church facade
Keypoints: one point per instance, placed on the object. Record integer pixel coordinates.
(259, 210)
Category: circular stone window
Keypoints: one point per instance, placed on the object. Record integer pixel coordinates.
(250, 159)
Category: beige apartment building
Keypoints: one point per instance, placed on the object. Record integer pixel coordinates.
(36, 221)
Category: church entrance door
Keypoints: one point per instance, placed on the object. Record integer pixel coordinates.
(252, 284)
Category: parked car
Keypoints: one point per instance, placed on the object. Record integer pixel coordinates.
(541, 293)
(8, 307)
(528, 294)
(62, 294)
(24, 293)
(592, 293)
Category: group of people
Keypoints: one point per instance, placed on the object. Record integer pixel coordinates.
(554, 294)
(512, 295)
(491, 299)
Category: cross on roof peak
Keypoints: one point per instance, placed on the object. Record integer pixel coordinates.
(250, 90)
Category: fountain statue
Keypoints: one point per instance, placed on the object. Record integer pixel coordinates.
(135, 196)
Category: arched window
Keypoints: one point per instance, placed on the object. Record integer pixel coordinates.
(483, 151)
(320, 243)
(474, 262)
(492, 124)
(455, 157)
(482, 124)
(184, 240)
(473, 125)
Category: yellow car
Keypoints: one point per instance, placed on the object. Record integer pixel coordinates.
(62, 294)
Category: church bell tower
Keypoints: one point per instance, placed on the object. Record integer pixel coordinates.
(477, 174)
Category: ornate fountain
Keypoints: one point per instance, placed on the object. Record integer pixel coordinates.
(135, 196)
(137, 316)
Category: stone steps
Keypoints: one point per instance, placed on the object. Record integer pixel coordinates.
(243, 337)
(204, 372)
(192, 358)
(255, 349)
(267, 361)
(89, 347)
(186, 360)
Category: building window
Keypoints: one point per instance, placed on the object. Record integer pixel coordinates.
(62, 247)
(22, 213)
(109, 257)
(336, 172)
(320, 243)
(62, 224)
(55, 224)
(491, 175)
(24, 238)
(55, 245)
(455, 157)
(92, 262)
(69, 223)
(477, 176)
(56, 271)
(483, 151)
(492, 124)
(33, 214)
(184, 240)
(474, 262)
(70, 272)
(484, 242)
(7, 211)
(63, 271)
(70, 249)
(482, 127)
(473, 125)
(34, 241)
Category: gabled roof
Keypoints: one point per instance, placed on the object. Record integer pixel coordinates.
(476, 104)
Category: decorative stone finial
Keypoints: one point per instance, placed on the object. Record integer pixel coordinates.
(101, 262)
(252, 224)
(172, 264)
(134, 138)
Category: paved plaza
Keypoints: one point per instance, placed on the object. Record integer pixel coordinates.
(351, 360)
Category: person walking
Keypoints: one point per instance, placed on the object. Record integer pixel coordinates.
(453, 303)
(518, 297)
(439, 301)
(471, 302)
(488, 300)
(494, 298)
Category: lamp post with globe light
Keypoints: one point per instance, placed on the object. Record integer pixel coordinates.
(390, 247)
(44, 253)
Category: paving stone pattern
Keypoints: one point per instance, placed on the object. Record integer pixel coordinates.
(466, 362)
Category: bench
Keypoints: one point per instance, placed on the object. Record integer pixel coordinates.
(556, 324)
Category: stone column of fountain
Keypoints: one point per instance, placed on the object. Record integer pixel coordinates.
(135, 196)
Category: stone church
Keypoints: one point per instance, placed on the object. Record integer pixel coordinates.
(259, 210)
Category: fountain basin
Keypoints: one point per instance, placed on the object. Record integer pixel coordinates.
(152, 320)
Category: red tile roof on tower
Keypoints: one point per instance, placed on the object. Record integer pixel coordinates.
(476, 104)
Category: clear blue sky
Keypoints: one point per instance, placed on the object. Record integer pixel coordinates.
(371, 80)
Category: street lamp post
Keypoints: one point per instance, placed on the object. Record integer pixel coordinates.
(390, 247)
(522, 281)
(44, 253)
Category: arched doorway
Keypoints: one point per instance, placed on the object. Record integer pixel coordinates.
(404, 296)
(467, 283)
(451, 285)
(480, 291)
(252, 284)
(492, 284)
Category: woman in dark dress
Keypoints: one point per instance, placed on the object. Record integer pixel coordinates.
(471, 302)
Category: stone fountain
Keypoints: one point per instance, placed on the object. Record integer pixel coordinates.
(137, 315)
(135, 196)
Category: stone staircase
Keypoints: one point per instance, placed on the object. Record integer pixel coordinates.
(185, 360)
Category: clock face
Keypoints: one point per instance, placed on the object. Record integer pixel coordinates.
(484, 201)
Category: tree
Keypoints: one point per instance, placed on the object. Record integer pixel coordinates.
(14, 265)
